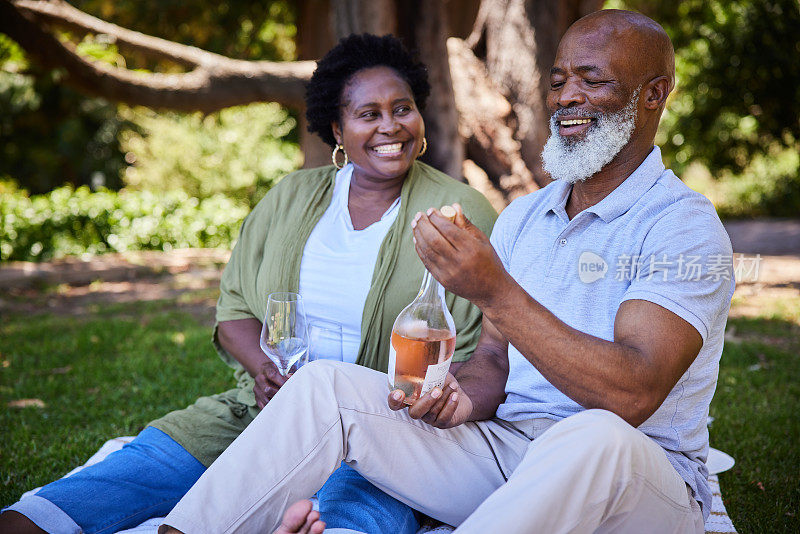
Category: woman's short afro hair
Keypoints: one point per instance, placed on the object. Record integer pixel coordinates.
(350, 55)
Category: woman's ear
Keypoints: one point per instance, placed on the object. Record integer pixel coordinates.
(337, 132)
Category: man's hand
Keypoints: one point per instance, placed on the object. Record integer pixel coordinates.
(443, 407)
(458, 255)
(268, 381)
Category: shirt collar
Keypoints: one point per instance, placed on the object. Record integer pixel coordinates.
(620, 199)
(558, 200)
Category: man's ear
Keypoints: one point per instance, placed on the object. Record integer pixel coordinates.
(656, 92)
(337, 132)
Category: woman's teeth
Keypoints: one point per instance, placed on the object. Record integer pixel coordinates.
(388, 149)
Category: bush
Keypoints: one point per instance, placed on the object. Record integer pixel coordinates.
(67, 221)
(768, 187)
(240, 151)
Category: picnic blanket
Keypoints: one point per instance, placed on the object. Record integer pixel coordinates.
(718, 521)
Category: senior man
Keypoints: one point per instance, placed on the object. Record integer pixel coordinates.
(584, 406)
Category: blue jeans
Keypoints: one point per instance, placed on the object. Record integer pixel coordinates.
(349, 501)
(149, 475)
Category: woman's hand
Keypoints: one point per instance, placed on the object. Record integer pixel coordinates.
(443, 407)
(268, 381)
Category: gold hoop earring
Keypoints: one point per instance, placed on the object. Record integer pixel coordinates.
(424, 147)
(333, 156)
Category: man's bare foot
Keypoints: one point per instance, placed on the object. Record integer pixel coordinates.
(300, 518)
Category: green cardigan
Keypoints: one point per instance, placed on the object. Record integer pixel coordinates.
(267, 258)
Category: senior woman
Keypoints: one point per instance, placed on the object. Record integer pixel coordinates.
(341, 236)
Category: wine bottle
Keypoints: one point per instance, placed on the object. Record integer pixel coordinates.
(423, 339)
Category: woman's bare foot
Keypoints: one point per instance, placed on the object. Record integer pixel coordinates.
(12, 522)
(300, 518)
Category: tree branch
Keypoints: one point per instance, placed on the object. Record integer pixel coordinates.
(217, 81)
(478, 27)
(63, 15)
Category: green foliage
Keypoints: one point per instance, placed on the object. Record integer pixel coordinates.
(736, 107)
(68, 221)
(11, 55)
(240, 152)
(258, 29)
(51, 135)
(738, 78)
(768, 187)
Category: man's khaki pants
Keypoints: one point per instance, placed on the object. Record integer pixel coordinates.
(591, 472)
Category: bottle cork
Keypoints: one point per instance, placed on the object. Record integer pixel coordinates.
(448, 212)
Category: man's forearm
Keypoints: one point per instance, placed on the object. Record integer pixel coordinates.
(483, 379)
(240, 338)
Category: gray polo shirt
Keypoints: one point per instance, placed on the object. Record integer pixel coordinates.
(651, 239)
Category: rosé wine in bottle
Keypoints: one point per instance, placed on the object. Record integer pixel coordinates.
(423, 340)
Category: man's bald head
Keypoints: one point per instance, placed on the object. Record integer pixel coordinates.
(640, 41)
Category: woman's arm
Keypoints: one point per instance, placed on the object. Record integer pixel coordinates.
(240, 338)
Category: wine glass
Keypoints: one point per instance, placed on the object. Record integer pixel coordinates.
(324, 340)
(283, 335)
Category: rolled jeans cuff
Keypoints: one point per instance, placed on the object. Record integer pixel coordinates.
(46, 515)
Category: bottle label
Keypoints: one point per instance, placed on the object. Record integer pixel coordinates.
(435, 376)
(392, 360)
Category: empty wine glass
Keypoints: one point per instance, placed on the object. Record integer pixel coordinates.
(324, 340)
(284, 337)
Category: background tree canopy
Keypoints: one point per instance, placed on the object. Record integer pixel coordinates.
(737, 107)
(739, 93)
(732, 127)
(51, 135)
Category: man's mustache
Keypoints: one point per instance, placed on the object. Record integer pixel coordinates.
(567, 113)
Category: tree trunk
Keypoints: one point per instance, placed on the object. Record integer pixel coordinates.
(518, 39)
(495, 166)
(314, 39)
(424, 27)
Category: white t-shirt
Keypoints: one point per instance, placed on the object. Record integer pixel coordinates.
(336, 269)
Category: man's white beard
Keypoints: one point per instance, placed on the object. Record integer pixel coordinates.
(576, 161)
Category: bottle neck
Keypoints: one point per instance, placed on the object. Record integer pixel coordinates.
(430, 290)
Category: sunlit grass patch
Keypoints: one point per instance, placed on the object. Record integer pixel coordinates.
(99, 375)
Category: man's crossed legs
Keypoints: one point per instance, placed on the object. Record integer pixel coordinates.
(589, 472)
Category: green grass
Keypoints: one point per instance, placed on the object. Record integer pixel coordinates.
(105, 374)
(109, 372)
(756, 408)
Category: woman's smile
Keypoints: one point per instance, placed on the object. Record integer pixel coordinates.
(388, 150)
